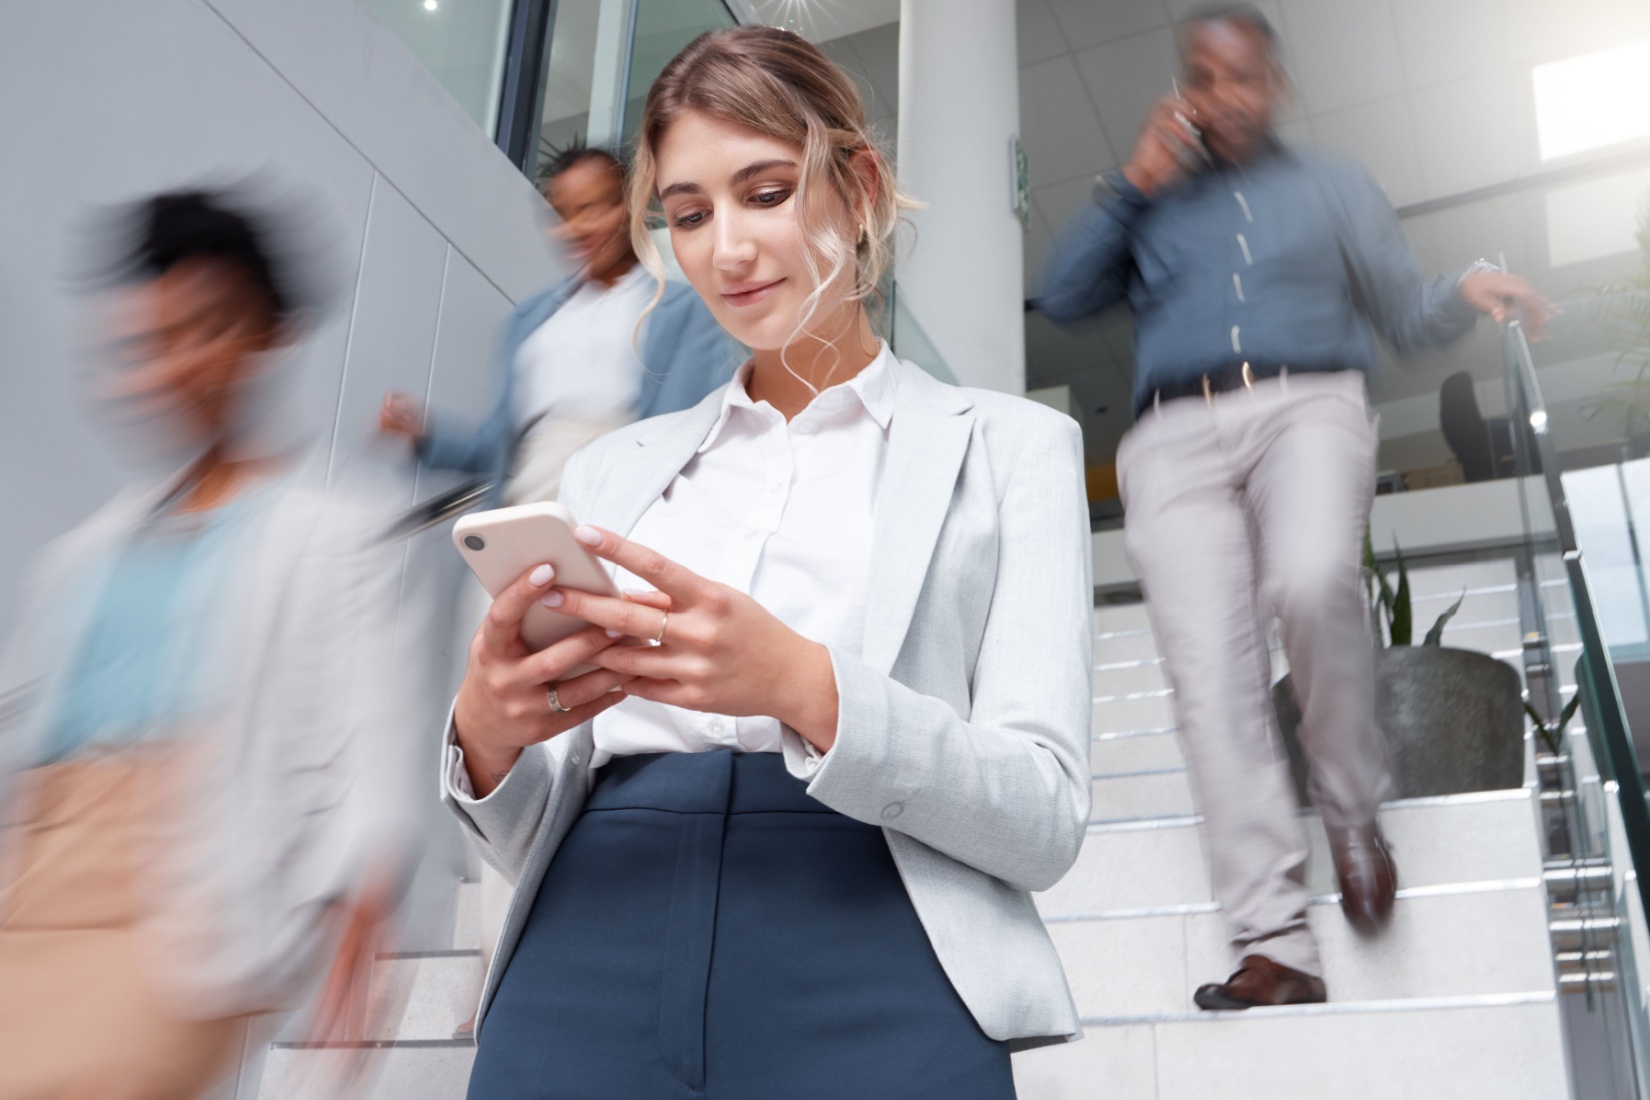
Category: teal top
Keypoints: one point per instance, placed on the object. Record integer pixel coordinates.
(154, 657)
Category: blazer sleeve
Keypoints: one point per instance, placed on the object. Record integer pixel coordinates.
(506, 822)
(1006, 790)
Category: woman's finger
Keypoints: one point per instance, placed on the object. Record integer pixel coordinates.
(557, 659)
(676, 581)
(647, 599)
(589, 687)
(652, 662)
(608, 612)
(502, 626)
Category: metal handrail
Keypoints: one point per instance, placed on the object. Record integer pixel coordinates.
(1613, 741)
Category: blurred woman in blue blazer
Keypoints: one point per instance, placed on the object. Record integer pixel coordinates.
(573, 364)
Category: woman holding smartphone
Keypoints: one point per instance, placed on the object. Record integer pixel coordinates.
(780, 842)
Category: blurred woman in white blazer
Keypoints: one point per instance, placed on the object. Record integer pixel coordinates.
(780, 842)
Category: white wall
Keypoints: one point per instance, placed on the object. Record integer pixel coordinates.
(435, 231)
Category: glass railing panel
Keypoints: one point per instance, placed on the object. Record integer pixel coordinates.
(906, 336)
(1586, 591)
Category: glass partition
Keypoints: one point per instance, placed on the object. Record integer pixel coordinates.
(662, 28)
(463, 42)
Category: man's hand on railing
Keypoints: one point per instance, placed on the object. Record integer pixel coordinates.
(1505, 297)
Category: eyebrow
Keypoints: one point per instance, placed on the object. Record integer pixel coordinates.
(740, 176)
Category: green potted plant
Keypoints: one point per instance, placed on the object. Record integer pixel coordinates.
(1453, 718)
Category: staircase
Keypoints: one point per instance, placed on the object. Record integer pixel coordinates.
(406, 1049)
(1457, 999)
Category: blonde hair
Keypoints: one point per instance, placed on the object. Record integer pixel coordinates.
(778, 84)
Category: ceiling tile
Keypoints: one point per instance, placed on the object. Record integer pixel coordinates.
(1541, 30)
(1058, 127)
(1344, 52)
(1125, 78)
(1441, 42)
(1040, 37)
(1469, 133)
(1089, 23)
(1379, 135)
(1295, 132)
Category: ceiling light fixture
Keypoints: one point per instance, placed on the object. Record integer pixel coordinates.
(1592, 101)
(431, 5)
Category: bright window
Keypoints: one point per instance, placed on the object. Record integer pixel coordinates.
(1593, 101)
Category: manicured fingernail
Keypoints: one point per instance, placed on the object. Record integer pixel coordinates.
(541, 576)
(588, 535)
(552, 599)
(614, 633)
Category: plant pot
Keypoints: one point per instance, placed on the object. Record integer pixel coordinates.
(1453, 720)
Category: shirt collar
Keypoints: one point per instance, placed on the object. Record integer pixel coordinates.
(874, 388)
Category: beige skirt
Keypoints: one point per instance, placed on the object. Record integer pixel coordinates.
(79, 1015)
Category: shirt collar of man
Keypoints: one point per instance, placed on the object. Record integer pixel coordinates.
(873, 388)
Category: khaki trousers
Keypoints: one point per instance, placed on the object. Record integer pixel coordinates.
(79, 1016)
(1249, 505)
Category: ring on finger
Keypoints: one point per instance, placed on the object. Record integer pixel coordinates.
(555, 703)
(664, 624)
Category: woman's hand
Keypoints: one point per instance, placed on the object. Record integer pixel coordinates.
(503, 705)
(721, 652)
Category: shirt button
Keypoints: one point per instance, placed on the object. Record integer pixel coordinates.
(892, 810)
(806, 427)
(716, 726)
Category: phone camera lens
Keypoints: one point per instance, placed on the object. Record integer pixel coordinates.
(475, 542)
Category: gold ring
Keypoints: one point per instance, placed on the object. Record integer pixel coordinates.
(555, 703)
(663, 625)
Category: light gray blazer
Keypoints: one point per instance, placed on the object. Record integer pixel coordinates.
(312, 782)
(963, 730)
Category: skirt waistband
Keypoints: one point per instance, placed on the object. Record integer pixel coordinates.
(716, 782)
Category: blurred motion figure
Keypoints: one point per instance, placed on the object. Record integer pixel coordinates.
(572, 364)
(203, 805)
(1257, 277)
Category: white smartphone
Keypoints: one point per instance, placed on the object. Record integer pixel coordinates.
(502, 544)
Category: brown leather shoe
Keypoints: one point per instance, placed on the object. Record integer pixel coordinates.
(1260, 981)
(1367, 874)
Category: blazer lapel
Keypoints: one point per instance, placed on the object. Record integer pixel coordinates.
(927, 440)
(639, 475)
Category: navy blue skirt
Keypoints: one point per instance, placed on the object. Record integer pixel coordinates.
(709, 930)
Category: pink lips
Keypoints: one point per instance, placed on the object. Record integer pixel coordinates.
(749, 294)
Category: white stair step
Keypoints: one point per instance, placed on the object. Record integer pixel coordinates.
(1437, 841)
(1120, 617)
(424, 996)
(1472, 939)
(1158, 792)
(467, 916)
(1130, 712)
(398, 1071)
(1128, 645)
(1122, 753)
(1117, 677)
(1508, 1047)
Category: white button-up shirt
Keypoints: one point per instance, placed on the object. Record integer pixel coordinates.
(581, 364)
(783, 512)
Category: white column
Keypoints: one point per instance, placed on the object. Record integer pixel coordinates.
(610, 82)
(959, 104)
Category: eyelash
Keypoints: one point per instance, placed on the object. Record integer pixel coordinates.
(779, 194)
